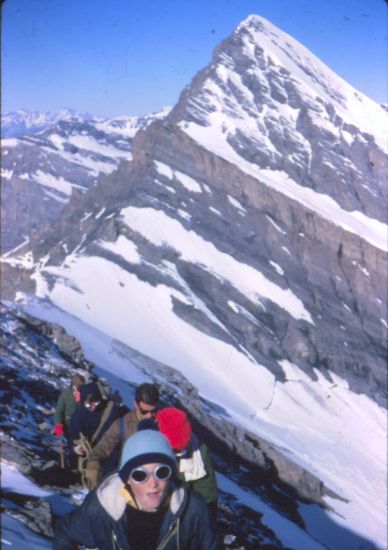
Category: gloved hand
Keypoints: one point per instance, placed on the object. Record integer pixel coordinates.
(58, 430)
(79, 450)
(92, 475)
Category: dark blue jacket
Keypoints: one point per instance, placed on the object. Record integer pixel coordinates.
(86, 422)
(101, 522)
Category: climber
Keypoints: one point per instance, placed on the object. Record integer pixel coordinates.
(105, 455)
(142, 506)
(90, 421)
(66, 406)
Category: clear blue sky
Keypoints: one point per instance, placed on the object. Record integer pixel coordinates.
(112, 57)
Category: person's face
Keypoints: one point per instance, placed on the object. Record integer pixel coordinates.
(76, 395)
(91, 404)
(151, 493)
(145, 410)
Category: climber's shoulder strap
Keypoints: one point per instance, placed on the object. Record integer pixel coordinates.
(104, 418)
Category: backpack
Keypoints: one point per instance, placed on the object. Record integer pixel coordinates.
(86, 445)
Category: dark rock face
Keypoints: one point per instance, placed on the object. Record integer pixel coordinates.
(67, 345)
(23, 205)
(36, 190)
(14, 278)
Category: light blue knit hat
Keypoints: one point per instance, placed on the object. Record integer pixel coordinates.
(145, 447)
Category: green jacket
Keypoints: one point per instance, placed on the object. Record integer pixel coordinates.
(207, 485)
(65, 407)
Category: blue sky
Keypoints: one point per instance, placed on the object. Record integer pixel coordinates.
(112, 57)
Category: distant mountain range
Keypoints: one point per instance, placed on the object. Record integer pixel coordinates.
(239, 240)
(23, 121)
(61, 154)
(18, 123)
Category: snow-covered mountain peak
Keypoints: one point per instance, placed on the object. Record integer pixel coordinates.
(262, 73)
(318, 79)
(268, 106)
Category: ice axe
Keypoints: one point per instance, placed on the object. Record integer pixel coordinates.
(61, 453)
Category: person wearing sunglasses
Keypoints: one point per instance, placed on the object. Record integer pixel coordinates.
(105, 456)
(141, 507)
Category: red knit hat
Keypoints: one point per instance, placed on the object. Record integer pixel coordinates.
(174, 424)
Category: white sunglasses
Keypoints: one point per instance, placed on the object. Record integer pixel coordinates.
(91, 404)
(162, 472)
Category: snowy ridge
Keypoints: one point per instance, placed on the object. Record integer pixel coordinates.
(128, 126)
(69, 153)
(316, 78)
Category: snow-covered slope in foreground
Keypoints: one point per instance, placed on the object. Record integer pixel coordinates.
(36, 490)
(338, 435)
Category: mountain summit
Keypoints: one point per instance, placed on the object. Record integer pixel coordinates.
(266, 102)
(244, 245)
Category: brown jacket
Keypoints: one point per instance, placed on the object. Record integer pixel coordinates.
(109, 443)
